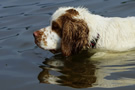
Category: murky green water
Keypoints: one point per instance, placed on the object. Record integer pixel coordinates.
(24, 66)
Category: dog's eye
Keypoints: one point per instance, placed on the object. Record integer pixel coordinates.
(56, 28)
(55, 25)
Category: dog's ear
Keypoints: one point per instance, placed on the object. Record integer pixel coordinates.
(74, 37)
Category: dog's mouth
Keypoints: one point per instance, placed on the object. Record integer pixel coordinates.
(54, 51)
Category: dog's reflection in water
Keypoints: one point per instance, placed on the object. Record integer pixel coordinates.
(81, 72)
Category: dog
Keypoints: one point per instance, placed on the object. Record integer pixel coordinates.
(74, 29)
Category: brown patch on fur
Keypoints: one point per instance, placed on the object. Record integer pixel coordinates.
(56, 27)
(74, 37)
(68, 16)
(44, 40)
(73, 12)
(74, 32)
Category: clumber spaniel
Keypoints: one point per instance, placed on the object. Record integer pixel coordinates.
(73, 29)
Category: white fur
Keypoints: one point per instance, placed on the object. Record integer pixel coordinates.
(115, 33)
(52, 39)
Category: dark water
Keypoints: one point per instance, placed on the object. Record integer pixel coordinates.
(24, 66)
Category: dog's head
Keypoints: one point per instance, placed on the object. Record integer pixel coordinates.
(68, 32)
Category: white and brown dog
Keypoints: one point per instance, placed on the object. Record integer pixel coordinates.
(73, 29)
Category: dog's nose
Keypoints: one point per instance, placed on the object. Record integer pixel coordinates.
(36, 33)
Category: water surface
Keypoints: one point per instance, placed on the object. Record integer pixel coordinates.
(24, 66)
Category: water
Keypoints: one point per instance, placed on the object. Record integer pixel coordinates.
(24, 66)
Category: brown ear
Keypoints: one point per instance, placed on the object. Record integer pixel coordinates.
(74, 37)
